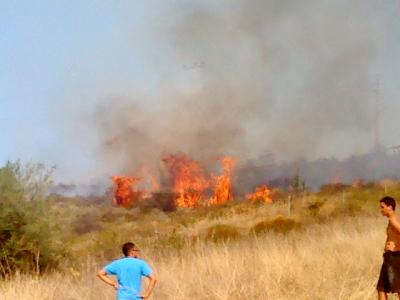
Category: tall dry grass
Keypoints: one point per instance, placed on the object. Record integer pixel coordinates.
(336, 260)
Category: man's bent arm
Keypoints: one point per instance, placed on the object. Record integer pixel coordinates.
(102, 274)
(150, 287)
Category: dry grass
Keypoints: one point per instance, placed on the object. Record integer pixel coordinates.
(336, 260)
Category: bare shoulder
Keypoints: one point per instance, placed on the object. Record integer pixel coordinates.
(394, 223)
(394, 219)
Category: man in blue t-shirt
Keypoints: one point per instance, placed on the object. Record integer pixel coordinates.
(129, 271)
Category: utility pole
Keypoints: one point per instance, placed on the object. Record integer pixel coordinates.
(378, 114)
(377, 90)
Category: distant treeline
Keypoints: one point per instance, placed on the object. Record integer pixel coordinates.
(373, 166)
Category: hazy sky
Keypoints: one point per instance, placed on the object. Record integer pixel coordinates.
(62, 60)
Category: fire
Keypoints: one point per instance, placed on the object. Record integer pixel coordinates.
(223, 183)
(124, 194)
(262, 193)
(189, 181)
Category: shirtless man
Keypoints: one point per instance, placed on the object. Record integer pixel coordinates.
(389, 278)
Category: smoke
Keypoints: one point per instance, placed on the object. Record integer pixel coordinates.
(248, 78)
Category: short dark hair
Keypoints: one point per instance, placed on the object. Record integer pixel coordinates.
(389, 201)
(127, 247)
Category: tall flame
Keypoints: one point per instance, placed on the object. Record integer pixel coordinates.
(262, 193)
(124, 194)
(189, 181)
(223, 184)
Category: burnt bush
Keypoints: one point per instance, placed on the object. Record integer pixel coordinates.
(112, 214)
(86, 223)
(315, 207)
(222, 232)
(280, 225)
(164, 201)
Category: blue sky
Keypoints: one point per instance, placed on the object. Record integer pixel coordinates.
(48, 47)
(58, 59)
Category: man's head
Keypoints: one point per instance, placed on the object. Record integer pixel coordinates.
(388, 205)
(130, 250)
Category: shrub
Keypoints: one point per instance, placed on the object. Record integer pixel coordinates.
(105, 244)
(280, 224)
(222, 232)
(27, 237)
(350, 208)
(172, 240)
(315, 207)
(112, 214)
(85, 223)
(164, 201)
(27, 232)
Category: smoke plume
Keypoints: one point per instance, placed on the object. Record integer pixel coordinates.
(258, 80)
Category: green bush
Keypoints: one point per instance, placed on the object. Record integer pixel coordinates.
(280, 224)
(27, 233)
(27, 237)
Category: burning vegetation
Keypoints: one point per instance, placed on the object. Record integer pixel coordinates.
(124, 194)
(223, 183)
(188, 179)
(262, 193)
(188, 182)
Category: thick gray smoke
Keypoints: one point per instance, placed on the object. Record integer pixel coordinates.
(249, 78)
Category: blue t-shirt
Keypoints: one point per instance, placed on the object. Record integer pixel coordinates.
(129, 271)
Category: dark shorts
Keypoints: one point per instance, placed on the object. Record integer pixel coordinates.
(389, 278)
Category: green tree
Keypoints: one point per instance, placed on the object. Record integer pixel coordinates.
(27, 231)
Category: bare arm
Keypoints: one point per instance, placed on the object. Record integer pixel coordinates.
(102, 274)
(150, 287)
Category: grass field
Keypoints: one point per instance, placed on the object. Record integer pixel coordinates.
(336, 259)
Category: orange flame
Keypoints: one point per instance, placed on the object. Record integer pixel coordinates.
(262, 193)
(124, 195)
(223, 183)
(189, 181)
